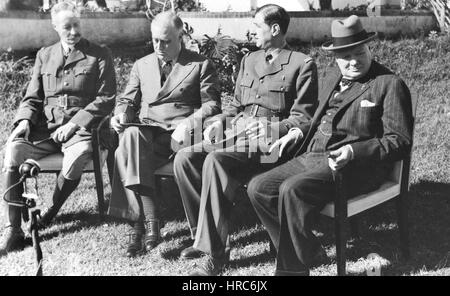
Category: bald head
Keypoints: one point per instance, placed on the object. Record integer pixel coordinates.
(167, 31)
(168, 19)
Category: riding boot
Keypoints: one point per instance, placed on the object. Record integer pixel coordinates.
(13, 238)
(64, 187)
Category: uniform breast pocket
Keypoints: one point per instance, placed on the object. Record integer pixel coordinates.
(278, 91)
(48, 82)
(84, 79)
(246, 89)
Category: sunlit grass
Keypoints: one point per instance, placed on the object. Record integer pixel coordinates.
(80, 244)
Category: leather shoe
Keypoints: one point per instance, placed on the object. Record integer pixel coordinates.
(211, 266)
(191, 253)
(320, 258)
(153, 235)
(135, 241)
(13, 240)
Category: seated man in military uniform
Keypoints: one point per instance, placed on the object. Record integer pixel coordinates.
(72, 88)
(276, 90)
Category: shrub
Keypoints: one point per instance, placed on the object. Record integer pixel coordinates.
(226, 55)
(14, 76)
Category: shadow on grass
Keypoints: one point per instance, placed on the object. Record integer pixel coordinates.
(251, 261)
(78, 220)
(428, 216)
(429, 208)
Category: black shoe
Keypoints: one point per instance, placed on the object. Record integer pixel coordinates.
(13, 240)
(211, 266)
(153, 235)
(136, 241)
(191, 253)
(320, 258)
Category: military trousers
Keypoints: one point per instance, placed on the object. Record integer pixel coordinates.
(210, 180)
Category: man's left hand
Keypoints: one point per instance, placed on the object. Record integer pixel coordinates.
(339, 158)
(63, 133)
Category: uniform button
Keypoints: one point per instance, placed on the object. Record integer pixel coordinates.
(258, 96)
(329, 113)
(282, 88)
(66, 83)
(324, 121)
(261, 81)
(283, 78)
(66, 72)
(181, 89)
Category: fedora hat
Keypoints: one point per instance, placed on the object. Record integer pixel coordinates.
(347, 33)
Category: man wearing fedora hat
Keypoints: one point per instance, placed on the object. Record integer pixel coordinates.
(363, 123)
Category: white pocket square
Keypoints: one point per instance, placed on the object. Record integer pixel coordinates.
(366, 103)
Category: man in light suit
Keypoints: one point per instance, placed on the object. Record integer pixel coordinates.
(363, 124)
(72, 88)
(276, 90)
(168, 95)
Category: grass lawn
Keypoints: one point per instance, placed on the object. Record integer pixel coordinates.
(78, 243)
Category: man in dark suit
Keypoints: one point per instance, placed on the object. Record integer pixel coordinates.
(72, 88)
(168, 95)
(276, 90)
(363, 123)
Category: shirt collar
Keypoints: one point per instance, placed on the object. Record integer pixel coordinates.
(274, 52)
(67, 48)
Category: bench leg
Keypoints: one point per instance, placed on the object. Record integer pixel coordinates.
(354, 227)
(402, 214)
(341, 243)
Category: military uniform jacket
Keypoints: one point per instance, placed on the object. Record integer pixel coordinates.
(191, 92)
(287, 86)
(85, 83)
(375, 117)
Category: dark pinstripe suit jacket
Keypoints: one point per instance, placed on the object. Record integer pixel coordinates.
(375, 116)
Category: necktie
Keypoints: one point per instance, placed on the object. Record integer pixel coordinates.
(165, 71)
(67, 52)
(346, 82)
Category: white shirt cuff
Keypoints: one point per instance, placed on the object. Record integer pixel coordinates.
(300, 134)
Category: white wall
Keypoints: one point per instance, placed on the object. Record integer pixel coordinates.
(290, 5)
(340, 4)
(245, 5)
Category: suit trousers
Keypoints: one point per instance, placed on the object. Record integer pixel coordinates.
(140, 152)
(210, 180)
(288, 197)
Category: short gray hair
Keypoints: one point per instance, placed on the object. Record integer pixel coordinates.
(64, 6)
(169, 17)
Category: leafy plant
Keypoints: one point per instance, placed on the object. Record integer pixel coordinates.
(226, 55)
